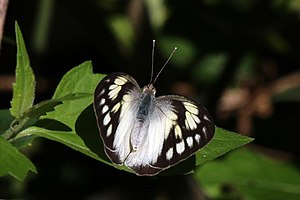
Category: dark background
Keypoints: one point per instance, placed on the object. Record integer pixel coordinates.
(240, 58)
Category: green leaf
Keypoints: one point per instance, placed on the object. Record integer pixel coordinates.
(248, 175)
(5, 120)
(13, 162)
(68, 138)
(30, 116)
(77, 81)
(40, 109)
(24, 86)
(222, 142)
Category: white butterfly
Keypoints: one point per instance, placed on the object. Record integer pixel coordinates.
(146, 133)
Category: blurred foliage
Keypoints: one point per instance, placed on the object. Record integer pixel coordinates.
(246, 174)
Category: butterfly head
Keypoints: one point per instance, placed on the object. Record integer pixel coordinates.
(149, 89)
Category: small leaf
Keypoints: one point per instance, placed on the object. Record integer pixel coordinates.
(13, 162)
(24, 86)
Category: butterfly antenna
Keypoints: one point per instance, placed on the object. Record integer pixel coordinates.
(165, 64)
(152, 60)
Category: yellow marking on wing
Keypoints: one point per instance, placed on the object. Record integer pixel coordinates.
(120, 80)
(178, 132)
(191, 108)
(190, 121)
(114, 93)
(116, 107)
(109, 131)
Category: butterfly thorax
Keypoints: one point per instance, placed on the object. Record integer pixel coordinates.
(146, 103)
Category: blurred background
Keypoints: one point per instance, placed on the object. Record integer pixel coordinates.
(238, 58)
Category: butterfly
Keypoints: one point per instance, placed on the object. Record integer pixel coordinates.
(148, 134)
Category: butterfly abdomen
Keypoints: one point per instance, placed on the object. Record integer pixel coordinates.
(141, 124)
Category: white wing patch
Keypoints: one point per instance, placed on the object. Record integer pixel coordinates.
(154, 136)
(169, 153)
(116, 87)
(191, 118)
(197, 137)
(104, 109)
(106, 119)
(180, 147)
(120, 80)
(189, 141)
(109, 131)
(113, 93)
(102, 101)
(125, 127)
(206, 118)
(191, 108)
(116, 107)
(177, 131)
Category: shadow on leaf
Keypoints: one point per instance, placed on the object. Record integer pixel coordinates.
(86, 128)
(52, 124)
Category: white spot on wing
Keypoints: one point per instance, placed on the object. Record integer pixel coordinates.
(204, 130)
(169, 153)
(197, 138)
(113, 86)
(126, 97)
(189, 141)
(177, 130)
(106, 119)
(172, 115)
(206, 118)
(102, 92)
(116, 107)
(125, 106)
(191, 108)
(168, 126)
(180, 147)
(104, 109)
(114, 93)
(190, 121)
(120, 81)
(102, 101)
(109, 131)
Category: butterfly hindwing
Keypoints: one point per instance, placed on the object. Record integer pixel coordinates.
(191, 129)
(113, 100)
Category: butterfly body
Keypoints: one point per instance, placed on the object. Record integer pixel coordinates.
(146, 133)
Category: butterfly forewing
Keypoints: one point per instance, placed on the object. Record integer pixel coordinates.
(114, 98)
